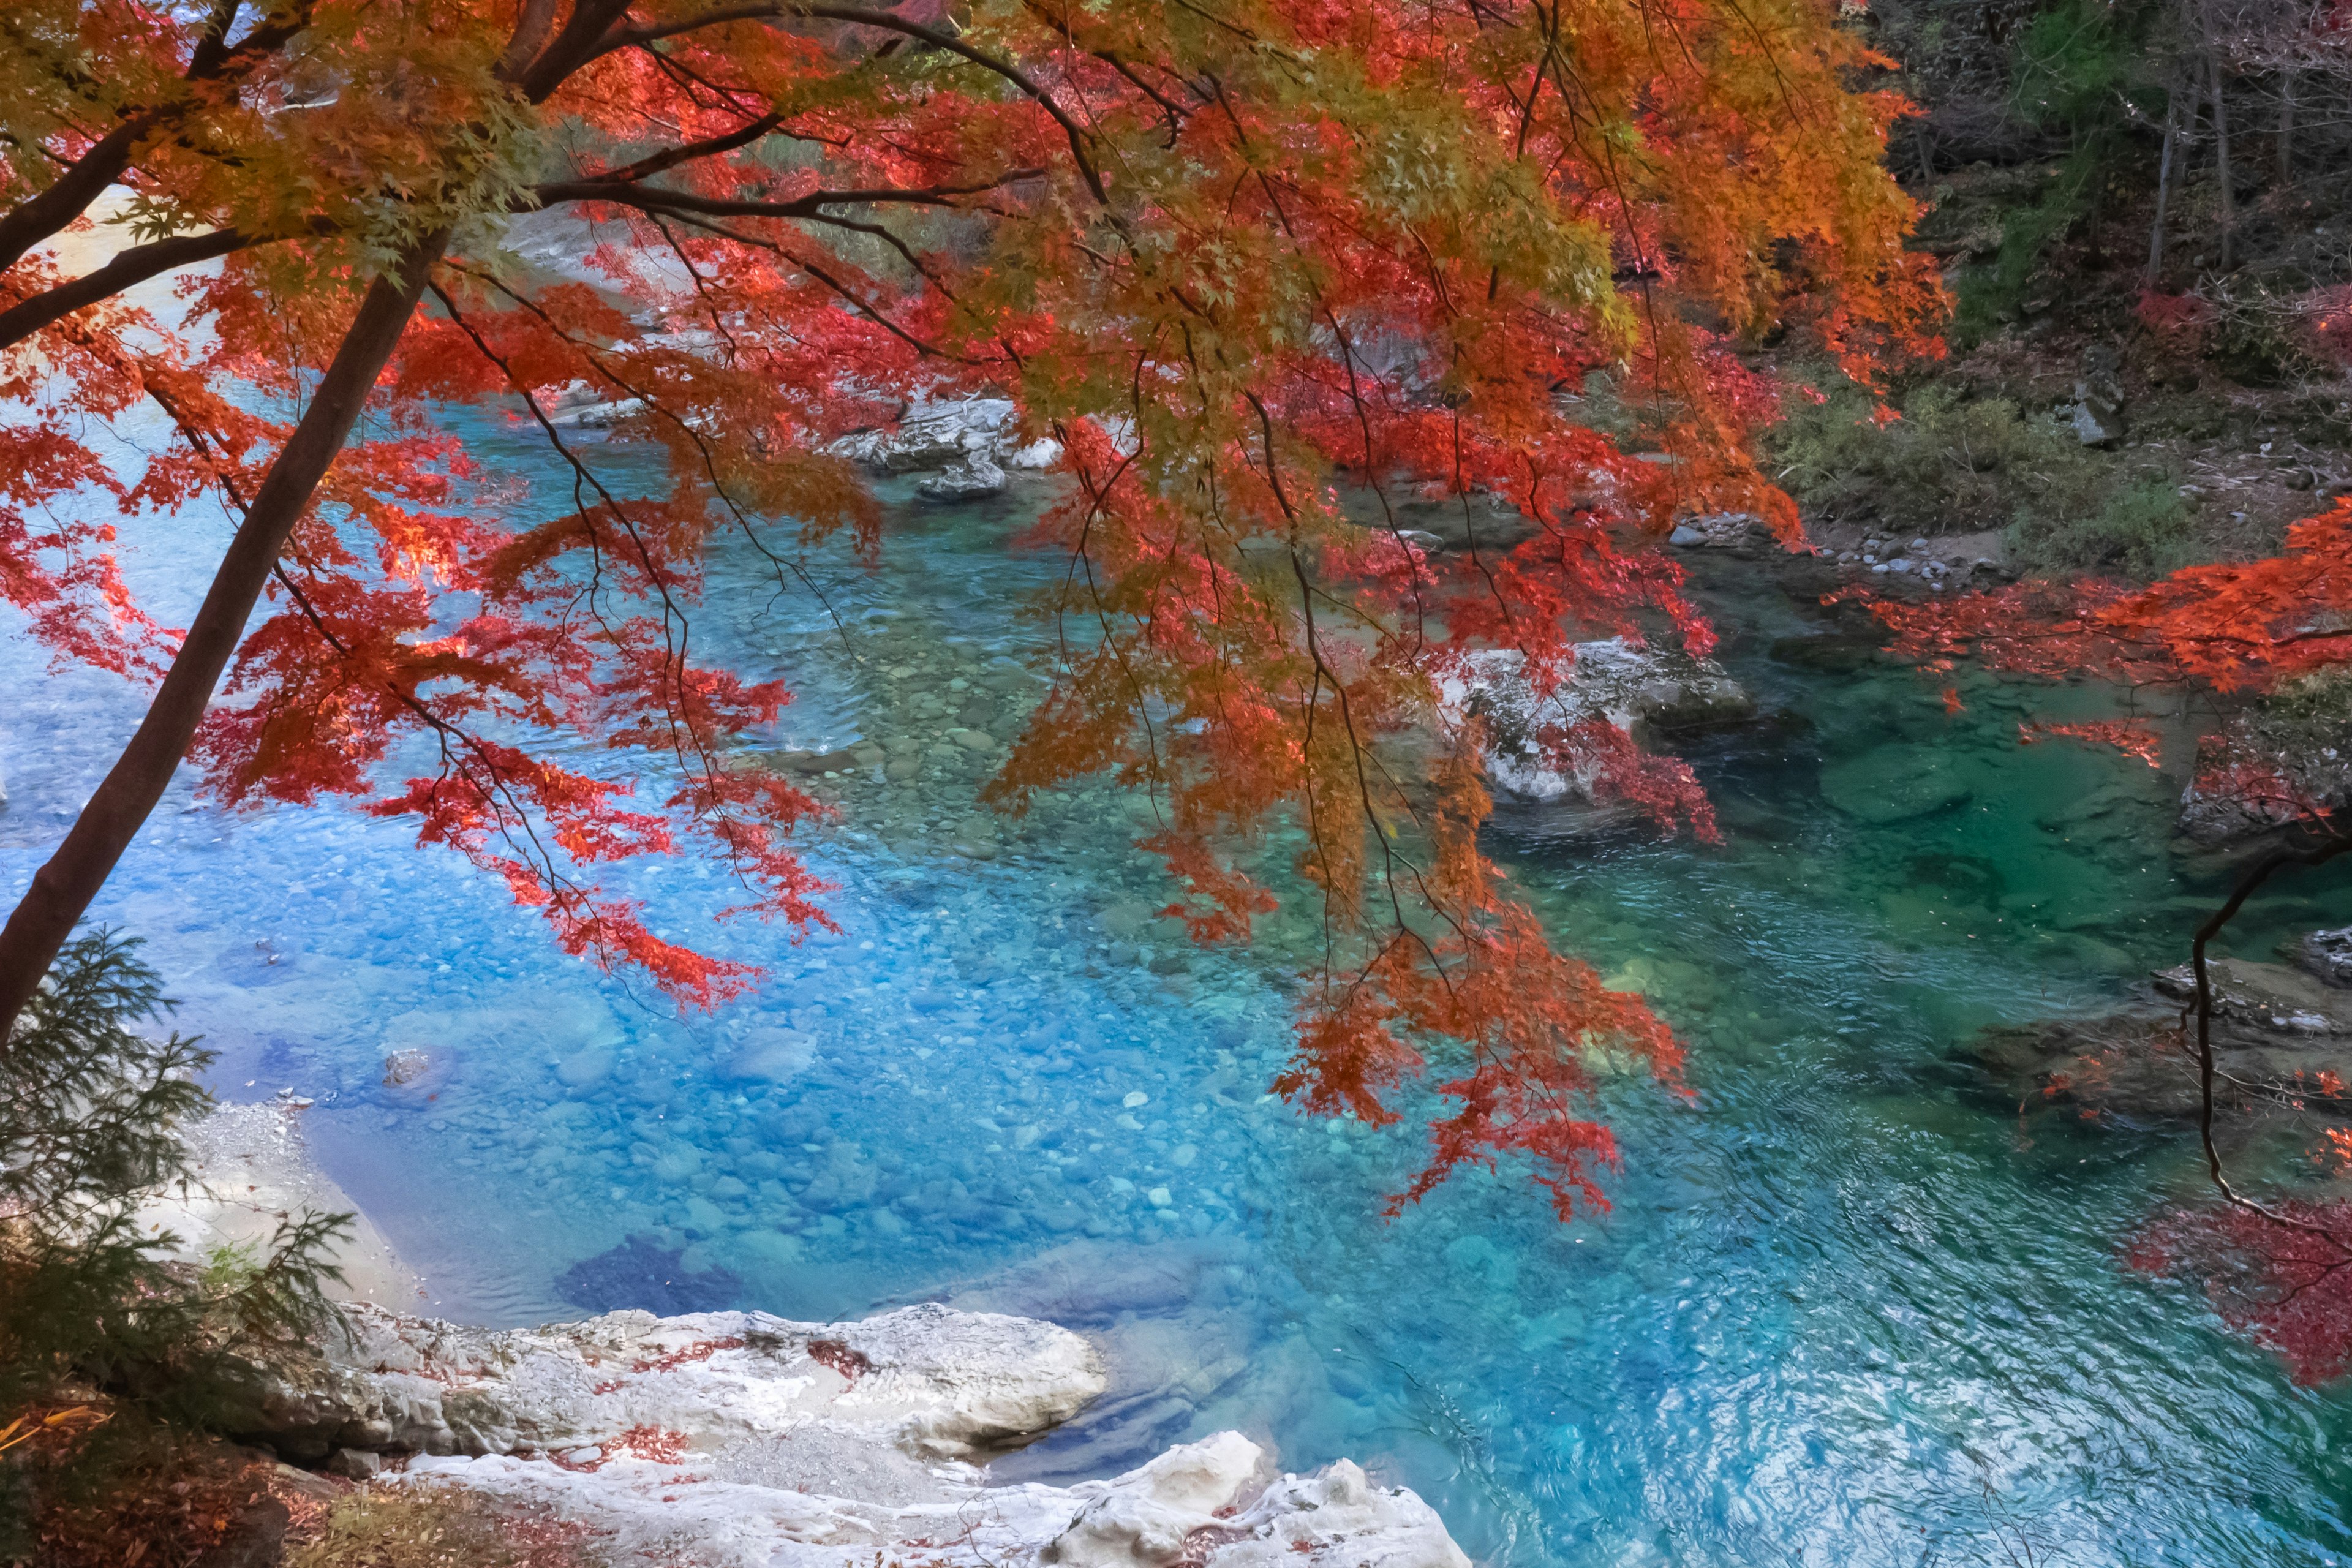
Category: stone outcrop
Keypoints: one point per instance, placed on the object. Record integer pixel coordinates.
(2277, 1033)
(1192, 1507)
(1640, 691)
(973, 476)
(737, 1438)
(922, 1380)
(966, 442)
(2327, 954)
(2299, 742)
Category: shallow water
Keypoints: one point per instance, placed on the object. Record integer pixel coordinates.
(1848, 1306)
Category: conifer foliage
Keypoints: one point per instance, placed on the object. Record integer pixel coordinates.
(1231, 256)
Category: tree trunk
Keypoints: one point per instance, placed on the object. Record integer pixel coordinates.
(2222, 166)
(2163, 191)
(64, 886)
(2286, 130)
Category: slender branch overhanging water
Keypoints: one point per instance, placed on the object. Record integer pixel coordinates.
(1849, 1307)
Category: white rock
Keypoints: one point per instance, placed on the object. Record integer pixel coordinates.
(1634, 689)
(922, 1379)
(406, 1067)
(1338, 1519)
(930, 435)
(645, 1511)
(972, 477)
(1143, 1518)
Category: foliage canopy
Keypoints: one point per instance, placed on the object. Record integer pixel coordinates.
(1231, 257)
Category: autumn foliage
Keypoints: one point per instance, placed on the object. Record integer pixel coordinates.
(1268, 270)
(2280, 1271)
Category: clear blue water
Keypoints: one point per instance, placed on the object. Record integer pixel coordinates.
(1849, 1306)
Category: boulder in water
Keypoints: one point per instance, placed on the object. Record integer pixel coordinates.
(1895, 784)
(974, 477)
(2278, 1032)
(2327, 954)
(929, 436)
(1640, 691)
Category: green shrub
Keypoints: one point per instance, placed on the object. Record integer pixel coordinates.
(1956, 464)
(2143, 529)
(94, 1317)
(1950, 464)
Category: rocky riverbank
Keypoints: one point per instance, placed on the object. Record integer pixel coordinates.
(739, 1438)
(2281, 1037)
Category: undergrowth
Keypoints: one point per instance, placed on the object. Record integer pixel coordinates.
(437, 1527)
(118, 1364)
(1956, 464)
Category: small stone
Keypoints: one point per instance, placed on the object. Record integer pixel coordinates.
(583, 1068)
(1685, 537)
(403, 1067)
(772, 1055)
(354, 1464)
(1136, 1098)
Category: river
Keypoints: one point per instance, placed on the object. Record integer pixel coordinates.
(1849, 1306)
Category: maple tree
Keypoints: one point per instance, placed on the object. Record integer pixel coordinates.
(2279, 1270)
(1232, 255)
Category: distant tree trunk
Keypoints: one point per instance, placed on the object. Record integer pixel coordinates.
(2286, 130)
(64, 886)
(2222, 165)
(2163, 190)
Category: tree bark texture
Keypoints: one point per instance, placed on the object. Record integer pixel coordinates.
(64, 888)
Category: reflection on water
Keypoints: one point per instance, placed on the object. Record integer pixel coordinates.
(1848, 1306)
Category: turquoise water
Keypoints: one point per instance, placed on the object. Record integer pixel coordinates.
(1849, 1306)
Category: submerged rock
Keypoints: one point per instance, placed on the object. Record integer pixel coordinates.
(642, 1273)
(1640, 691)
(1895, 784)
(2327, 954)
(2277, 1034)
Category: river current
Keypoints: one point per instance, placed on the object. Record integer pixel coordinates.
(1850, 1306)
